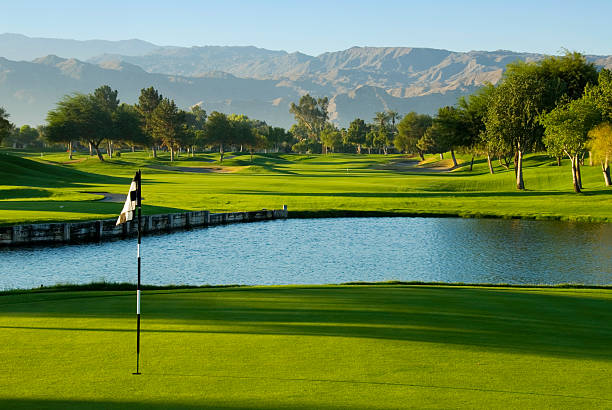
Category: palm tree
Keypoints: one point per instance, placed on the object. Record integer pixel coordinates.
(381, 118)
(393, 116)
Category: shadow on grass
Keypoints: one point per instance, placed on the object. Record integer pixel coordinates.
(554, 323)
(83, 207)
(24, 172)
(119, 405)
(426, 194)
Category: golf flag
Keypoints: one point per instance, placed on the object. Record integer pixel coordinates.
(133, 203)
(127, 213)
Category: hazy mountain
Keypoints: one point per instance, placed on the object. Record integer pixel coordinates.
(28, 90)
(257, 82)
(19, 47)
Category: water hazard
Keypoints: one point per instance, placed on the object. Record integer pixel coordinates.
(318, 251)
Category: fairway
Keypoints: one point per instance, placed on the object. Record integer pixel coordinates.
(382, 346)
(51, 188)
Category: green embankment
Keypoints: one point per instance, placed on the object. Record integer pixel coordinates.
(309, 347)
(49, 188)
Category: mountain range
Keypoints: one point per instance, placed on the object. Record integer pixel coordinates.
(36, 72)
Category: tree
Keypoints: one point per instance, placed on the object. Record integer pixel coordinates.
(108, 101)
(167, 123)
(410, 130)
(431, 141)
(128, 126)
(331, 138)
(257, 141)
(311, 114)
(566, 129)
(80, 117)
(600, 144)
(572, 70)
(195, 122)
(473, 110)
(356, 133)
(382, 139)
(5, 124)
(218, 131)
(381, 119)
(148, 100)
(514, 109)
(24, 137)
(277, 137)
(241, 131)
(601, 94)
(393, 116)
(453, 130)
(61, 129)
(369, 139)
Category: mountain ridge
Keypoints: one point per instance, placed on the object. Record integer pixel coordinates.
(250, 80)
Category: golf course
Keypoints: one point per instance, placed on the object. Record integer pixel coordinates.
(356, 346)
(43, 187)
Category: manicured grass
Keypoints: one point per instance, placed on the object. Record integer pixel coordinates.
(35, 189)
(319, 347)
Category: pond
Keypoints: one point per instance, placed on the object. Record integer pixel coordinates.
(319, 251)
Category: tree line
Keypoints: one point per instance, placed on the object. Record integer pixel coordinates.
(101, 122)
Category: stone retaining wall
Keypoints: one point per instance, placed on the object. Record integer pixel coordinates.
(75, 232)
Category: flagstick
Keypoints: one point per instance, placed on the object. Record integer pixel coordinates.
(139, 206)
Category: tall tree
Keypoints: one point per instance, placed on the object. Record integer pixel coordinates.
(393, 117)
(410, 130)
(381, 119)
(108, 101)
(167, 122)
(453, 130)
(195, 122)
(311, 113)
(82, 117)
(573, 72)
(218, 131)
(514, 109)
(382, 140)
(128, 126)
(566, 129)
(278, 137)
(5, 124)
(148, 100)
(473, 110)
(356, 133)
(600, 144)
(331, 138)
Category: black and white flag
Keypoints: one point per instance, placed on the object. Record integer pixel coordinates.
(131, 202)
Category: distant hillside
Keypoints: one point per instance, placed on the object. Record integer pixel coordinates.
(19, 47)
(258, 82)
(29, 89)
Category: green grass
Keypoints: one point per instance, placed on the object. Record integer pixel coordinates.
(48, 188)
(384, 346)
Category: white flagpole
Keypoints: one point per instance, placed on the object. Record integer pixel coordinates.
(139, 206)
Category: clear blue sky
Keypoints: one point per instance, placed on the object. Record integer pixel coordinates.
(316, 26)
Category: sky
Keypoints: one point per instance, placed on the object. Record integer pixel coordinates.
(314, 27)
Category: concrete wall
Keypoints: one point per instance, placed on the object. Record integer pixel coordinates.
(75, 232)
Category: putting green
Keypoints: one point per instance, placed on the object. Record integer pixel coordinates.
(309, 347)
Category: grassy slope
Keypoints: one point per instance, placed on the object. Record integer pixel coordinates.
(35, 189)
(309, 347)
